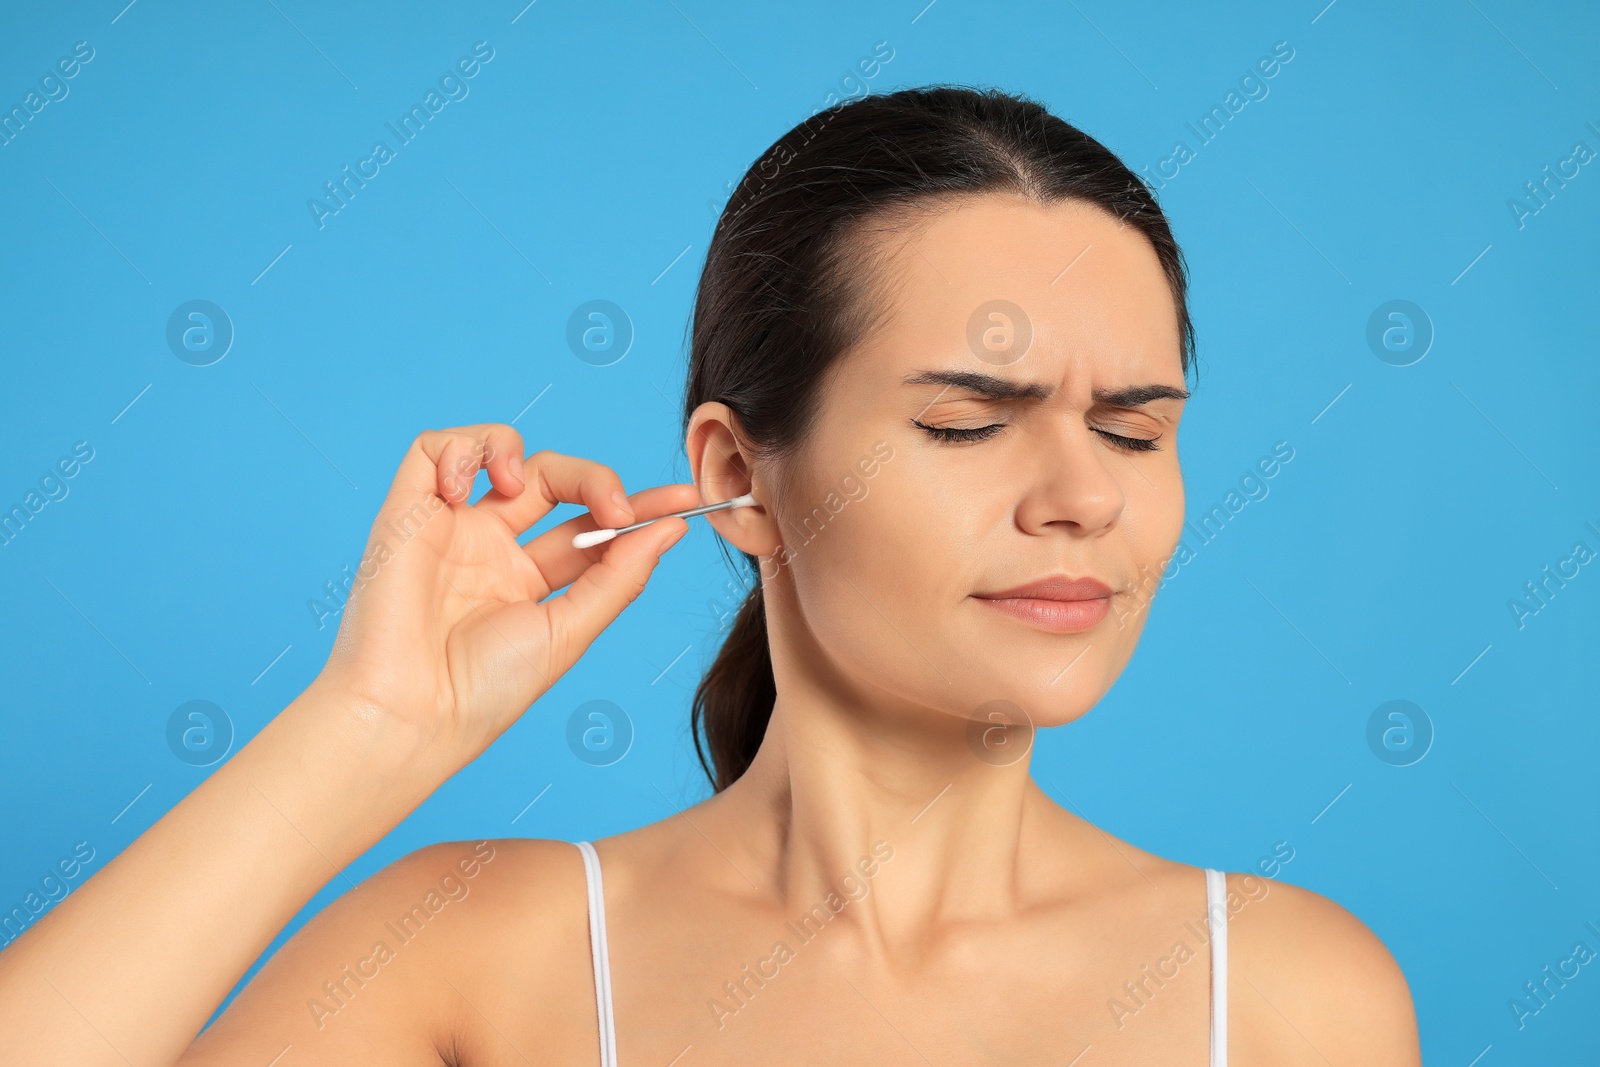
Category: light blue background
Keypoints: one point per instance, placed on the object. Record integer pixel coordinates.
(587, 163)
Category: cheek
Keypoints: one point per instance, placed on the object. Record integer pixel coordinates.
(1153, 511)
(881, 589)
(908, 544)
(875, 586)
(1152, 526)
(1160, 507)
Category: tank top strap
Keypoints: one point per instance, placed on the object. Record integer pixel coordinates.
(1217, 923)
(600, 954)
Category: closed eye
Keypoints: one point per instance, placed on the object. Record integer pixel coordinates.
(961, 433)
(958, 434)
(1131, 444)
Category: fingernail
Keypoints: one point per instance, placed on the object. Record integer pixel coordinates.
(622, 502)
(674, 539)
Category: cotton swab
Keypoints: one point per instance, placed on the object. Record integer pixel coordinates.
(600, 537)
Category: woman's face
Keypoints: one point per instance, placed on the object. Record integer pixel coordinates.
(1050, 333)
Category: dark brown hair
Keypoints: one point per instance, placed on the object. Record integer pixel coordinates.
(784, 293)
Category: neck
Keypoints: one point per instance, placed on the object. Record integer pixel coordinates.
(848, 782)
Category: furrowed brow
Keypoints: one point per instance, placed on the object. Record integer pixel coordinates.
(985, 385)
(992, 387)
(1138, 395)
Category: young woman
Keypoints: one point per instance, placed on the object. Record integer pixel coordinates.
(942, 337)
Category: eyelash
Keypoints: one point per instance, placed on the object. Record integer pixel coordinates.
(955, 434)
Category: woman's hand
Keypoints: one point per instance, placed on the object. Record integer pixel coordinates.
(447, 630)
(446, 638)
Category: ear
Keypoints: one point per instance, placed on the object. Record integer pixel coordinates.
(723, 468)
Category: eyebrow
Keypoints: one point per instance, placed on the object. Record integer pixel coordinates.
(996, 388)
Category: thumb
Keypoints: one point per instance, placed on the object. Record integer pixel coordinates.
(598, 595)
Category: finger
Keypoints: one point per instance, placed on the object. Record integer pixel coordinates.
(492, 447)
(459, 459)
(603, 590)
(445, 462)
(560, 563)
(554, 478)
(505, 460)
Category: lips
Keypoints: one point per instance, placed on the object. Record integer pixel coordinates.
(1055, 588)
(1056, 604)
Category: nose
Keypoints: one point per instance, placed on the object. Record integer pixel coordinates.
(1071, 486)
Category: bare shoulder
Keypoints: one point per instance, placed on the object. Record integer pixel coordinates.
(1310, 983)
(477, 894)
(408, 964)
(529, 891)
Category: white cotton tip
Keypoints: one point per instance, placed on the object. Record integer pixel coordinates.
(746, 501)
(592, 538)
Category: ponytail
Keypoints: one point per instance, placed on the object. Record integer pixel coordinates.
(733, 702)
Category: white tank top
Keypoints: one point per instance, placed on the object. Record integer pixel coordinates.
(1216, 921)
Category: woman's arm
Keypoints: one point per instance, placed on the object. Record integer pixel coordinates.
(443, 644)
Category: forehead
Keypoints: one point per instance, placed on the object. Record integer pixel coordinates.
(1091, 291)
